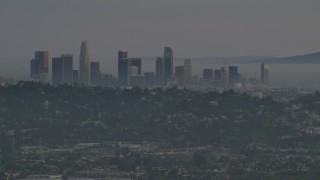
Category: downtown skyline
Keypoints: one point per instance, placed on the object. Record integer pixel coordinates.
(246, 68)
(280, 74)
(131, 73)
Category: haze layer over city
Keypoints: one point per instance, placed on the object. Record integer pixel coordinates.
(193, 29)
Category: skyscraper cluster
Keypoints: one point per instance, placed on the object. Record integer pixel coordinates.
(63, 71)
(130, 71)
(183, 74)
(231, 78)
(222, 77)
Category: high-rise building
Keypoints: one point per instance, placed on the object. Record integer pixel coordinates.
(168, 64)
(187, 72)
(136, 62)
(62, 69)
(67, 60)
(123, 65)
(84, 63)
(134, 79)
(133, 71)
(57, 71)
(264, 76)
(224, 77)
(108, 80)
(179, 72)
(149, 78)
(234, 76)
(75, 76)
(159, 71)
(39, 65)
(207, 74)
(95, 74)
(43, 61)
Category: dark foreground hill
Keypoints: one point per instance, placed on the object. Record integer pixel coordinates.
(168, 134)
(58, 114)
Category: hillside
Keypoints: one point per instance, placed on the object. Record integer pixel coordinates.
(306, 58)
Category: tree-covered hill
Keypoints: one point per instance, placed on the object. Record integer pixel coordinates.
(235, 134)
(31, 111)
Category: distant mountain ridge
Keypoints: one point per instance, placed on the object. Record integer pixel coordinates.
(224, 59)
(306, 58)
(234, 58)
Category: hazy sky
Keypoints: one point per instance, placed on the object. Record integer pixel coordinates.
(192, 27)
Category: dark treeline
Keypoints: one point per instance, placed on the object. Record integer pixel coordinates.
(30, 112)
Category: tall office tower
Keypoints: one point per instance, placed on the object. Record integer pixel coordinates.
(95, 74)
(84, 63)
(224, 76)
(168, 64)
(133, 72)
(136, 62)
(179, 72)
(43, 59)
(160, 71)
(75, 76)
(149, 78)
(67, 60)
(39, 65)
(187, 72)
(264, 76)
(57, 71)
(233, 75)
(207, 74)
(123, 68)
